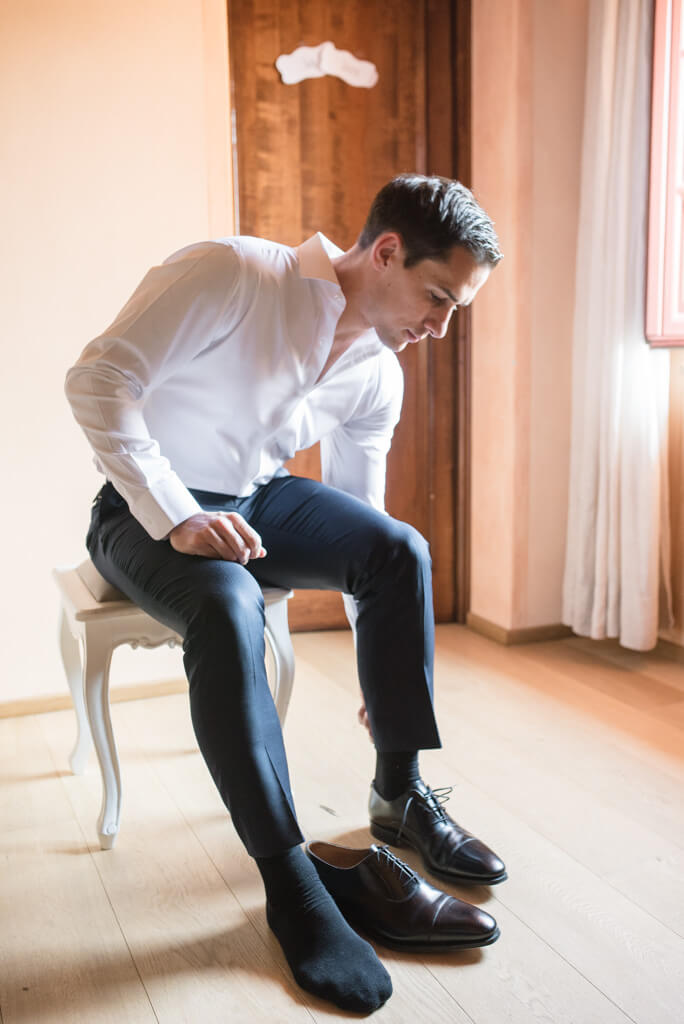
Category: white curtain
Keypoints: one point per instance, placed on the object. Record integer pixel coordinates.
(617, 555)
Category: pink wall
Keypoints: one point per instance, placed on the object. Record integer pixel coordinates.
(528, 95)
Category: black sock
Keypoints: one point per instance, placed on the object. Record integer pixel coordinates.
(325, 955)
(395, 772)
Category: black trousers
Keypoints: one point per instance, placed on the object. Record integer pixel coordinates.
(316, 537)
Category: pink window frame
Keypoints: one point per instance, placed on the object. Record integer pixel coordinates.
(665, 274)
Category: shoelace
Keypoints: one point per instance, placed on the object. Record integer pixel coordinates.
(403, 871)
(434, 799)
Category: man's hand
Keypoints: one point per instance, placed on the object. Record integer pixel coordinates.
(224, 535)
(362, 716)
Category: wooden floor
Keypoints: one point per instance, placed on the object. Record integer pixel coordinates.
(567, 757)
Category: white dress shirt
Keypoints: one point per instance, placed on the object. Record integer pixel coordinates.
(208, 379)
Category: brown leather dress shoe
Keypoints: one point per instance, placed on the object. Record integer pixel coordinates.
(383, 897)
(418, 819)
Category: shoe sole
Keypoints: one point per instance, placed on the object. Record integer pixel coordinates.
(388, 835)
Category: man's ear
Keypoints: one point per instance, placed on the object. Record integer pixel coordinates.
(387, 248)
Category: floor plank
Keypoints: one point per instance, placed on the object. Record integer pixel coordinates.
(480, 718)
(646, 664)
(63, 957)
(559, 783)
(572, 900)
(187, 783)
(567, 759)
(196, 951)
(30, 789)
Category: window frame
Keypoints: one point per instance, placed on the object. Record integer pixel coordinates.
(665, 270)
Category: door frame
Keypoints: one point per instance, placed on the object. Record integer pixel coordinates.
(448, 152)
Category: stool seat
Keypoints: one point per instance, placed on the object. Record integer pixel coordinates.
(95, 618)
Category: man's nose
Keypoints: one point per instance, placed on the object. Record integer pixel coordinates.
(437, 323)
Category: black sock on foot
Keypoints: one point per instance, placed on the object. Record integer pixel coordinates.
(325, 955)
(395, 772)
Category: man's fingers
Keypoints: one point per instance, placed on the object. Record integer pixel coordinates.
(364, 720)
(223, 535)
(197, 542)
(249, 537)
(230, 543)
(213, 546)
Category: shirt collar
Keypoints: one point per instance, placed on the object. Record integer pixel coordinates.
(315, 258)
(315, 261)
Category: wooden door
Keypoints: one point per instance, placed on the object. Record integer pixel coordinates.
(310, 157)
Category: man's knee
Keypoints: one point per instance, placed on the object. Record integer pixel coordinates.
(399, 549)
(230, 605)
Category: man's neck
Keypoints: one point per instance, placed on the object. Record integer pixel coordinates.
(351, 271)
(352, 324)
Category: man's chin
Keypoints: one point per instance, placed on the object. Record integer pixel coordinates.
(395, 344)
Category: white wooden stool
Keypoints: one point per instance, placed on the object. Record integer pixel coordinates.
(98, 618)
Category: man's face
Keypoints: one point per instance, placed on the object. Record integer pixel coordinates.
(409, 305)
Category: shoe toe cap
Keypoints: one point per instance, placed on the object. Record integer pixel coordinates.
(464, 921)
(478, 859)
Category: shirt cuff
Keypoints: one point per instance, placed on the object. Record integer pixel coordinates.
(166, 505)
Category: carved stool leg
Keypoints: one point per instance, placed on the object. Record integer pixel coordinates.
(98, 654)
(71, 658)
(277, 632)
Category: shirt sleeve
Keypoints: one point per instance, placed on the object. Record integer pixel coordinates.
(354, 454)
(179, 309)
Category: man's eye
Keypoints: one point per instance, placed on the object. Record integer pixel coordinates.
(437, 299)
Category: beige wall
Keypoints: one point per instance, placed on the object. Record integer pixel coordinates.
(115, 151)
(528, 95)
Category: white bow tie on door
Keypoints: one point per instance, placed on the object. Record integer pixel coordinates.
(326, 59)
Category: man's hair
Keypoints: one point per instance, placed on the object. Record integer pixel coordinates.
(432, 215)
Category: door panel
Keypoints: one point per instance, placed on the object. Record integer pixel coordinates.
(310, 157)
